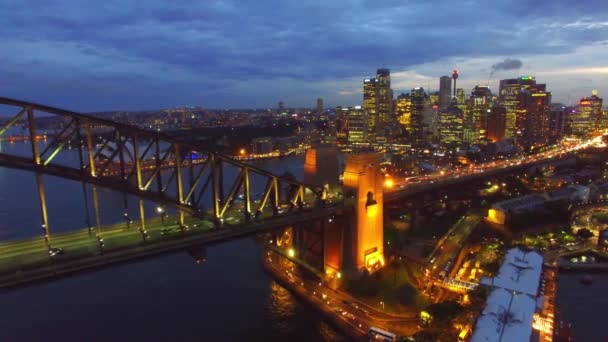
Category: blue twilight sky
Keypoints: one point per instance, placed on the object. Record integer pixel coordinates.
(123, 54)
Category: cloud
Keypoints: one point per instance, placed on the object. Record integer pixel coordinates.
(213, 52)
(507, 64)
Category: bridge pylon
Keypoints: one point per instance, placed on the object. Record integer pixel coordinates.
(364, 238)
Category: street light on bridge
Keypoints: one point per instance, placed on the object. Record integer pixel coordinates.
(161, 212)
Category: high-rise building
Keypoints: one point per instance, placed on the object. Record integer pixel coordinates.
(496, 123)
(418, 99)
(403, 111)
(357, 125)
(370, 101)
(281, 108)
(385, 97)
(319, 105)
(476, 120)
(557, 120)
(445, 91)
(588, 116)
(451, 126)
(341, 123)
(516, 95)
(534, 115)
(431, 116)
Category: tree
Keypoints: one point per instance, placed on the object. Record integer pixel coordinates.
(584, 234)
(444, 312)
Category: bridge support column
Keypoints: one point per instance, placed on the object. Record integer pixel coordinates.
(333, 244)
(43, 212)
(142, 221)
(363, 183)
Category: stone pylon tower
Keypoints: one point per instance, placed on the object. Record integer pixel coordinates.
(364, 239)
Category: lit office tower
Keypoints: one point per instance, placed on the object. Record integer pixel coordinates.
(510, 96)
(319, 105)
(385, 97)
(534, 115)
(418, 100)
(445, 91)
(496, 123)
(476, 120)
(588, 116)
(370, 102)
(451, 126)
(357, 125)
(403, 111)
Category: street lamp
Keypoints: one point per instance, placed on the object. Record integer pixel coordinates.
(382, 303)
(161, 211)
(291, 252)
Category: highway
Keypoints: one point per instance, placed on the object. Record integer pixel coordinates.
(403, 186)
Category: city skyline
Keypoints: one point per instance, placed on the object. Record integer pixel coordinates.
(121, 56)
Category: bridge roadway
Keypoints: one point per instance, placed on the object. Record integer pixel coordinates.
(26, 261)
(403, 188)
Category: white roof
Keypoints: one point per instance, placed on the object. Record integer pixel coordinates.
(506, 317)
(511, 305)
(520, 271)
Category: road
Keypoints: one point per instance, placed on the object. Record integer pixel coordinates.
(399, 185)
(445, 255)
(28, 260)
(343, 307)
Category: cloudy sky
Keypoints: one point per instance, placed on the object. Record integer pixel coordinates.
(124, 54)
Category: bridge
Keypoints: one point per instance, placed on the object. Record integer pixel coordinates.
(334, 228)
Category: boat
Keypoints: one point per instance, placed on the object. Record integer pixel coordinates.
(587, 279)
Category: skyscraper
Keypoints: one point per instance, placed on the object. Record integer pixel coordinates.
(385, 97)
(370, 101)
(496, 123)
(418, 99)
(403, 111)
(319, 105)
(588, 116)
(534, 115)
(477, 114)
(450, 126)
(281, 108)
(357, 125)
(513, 98)
(445, 91)
(557, 120)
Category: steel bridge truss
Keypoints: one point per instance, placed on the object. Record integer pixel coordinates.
(151, 166)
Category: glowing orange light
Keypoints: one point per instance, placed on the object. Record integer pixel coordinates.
(242, 151)
(389, 183)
